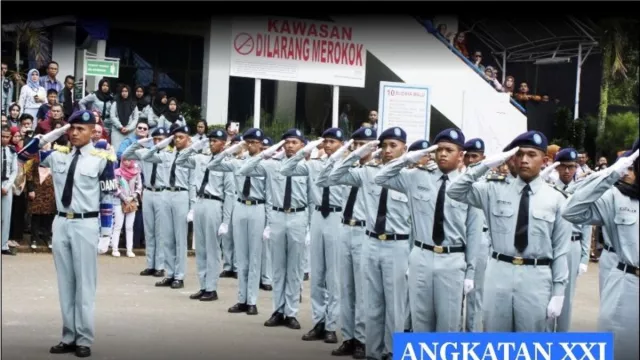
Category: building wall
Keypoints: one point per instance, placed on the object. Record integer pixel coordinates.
(63, 50)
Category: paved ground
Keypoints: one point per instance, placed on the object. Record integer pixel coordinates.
(135, 320)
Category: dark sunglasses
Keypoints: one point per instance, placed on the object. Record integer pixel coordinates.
(142, 128)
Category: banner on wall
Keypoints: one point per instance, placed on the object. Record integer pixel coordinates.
(296, 50)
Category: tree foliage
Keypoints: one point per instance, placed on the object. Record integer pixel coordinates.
(621, 130)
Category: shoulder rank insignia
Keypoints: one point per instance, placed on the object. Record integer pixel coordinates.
(372, 163)
(566, 195)
(61, 148)
(496, 177)
(423, 168)
(104, 154)
(169, 148)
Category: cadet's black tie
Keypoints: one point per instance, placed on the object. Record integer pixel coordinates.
(324, 208)
(351, 201)
(5, 162)
(438, 219)
(68, 185)
(565, 188)
(381, 219)
(172, 176)
(154, 173)
(522, 225)
(287, 194)
(246, 188)
(205, 180)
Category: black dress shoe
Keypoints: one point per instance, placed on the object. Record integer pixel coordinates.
(177, 284)
(83, 351)
(276, 319)
(8, 252)
(238, 308)
(158, 273)
(346, 349)
(197, 295)
(226, 274)
(62, 348)
(234, 274)
(317, 333)
(209, 296)
(306, 277)
(330, 337)
(252, 310)
(166, 282)
(147, 272)
(266, 287)
(359, 350)
(292, 323)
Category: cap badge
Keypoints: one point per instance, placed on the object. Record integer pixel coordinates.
(537, 139)
(478, 145)
(368, 132)
(573, 154)
(258, 133)
(86, 116)
(453, 134)
(298, 133)
(397, 132)
(339, 133)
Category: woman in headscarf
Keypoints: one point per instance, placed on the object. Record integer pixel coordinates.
(32, 95)
(141, 102)
(125, 204)
(99, 100)
(172, 115)
(124, 116)
(155, 110)
(13, 117)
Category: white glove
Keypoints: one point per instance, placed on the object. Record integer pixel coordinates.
(340, 152)
(279, 155)
(376, 154)
(495, 160)
(307, 239)
(233, 149)
(547, 171)
(53, 135)
(623, 164)
(366, 149)
(145, 141)
(554, 309)
(432, 166)
(311, 146)
(415, 156)
(190, 216)
(268, 153)
(266, 234)
(164, 143)
(223, 230)
(468, 286)
(200, 144)
(582, 269)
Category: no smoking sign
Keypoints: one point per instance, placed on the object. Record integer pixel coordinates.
(244, 44)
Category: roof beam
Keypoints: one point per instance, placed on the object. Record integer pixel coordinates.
(546, 29)
(519, 32)
(584, 31)
(544, 42)
(491, 37)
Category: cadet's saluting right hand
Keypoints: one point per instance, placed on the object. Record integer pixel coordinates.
(495, 160)
(268, 153)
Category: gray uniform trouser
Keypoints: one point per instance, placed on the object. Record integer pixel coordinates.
(619, 313)
(563, 323)
(516, 297)
(266, 271)
(75, 252)
(608, 260)
(230, 263)
(352, 295)
(207, 217)
(473, 320)
(7, 201)
(175, 244)
(435, 290)
(325, 284)
(288, 231)
(248, 225)
(155, 215)
(385, 266)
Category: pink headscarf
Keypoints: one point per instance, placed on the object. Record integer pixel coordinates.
(127, 172)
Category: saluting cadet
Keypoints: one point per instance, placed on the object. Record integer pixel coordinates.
(266, 281)
(180, 196)
(613, 204)
(325, 247)
(230, 262)
(286, 227)
(447, 233)
(156, 208)
(352, 239)
(386, 251)
(248, 220)
(528, 235)
(473, 154)
(9, 173)
(215, 192)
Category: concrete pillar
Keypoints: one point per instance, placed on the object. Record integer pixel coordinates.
(99, 48)
(63, 50)
(215, 72)
(285, 102)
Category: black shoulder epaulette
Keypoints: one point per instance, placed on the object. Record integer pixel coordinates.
(566, 196)
(423, 168)
(496, 177)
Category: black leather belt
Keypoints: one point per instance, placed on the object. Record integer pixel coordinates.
(87, 215)
(576, 237)
(211, 197)
(629, 269)
(439, 249)
(154, 189)
(331, 208)
(516, 260)
(289, 210)
(175, 188)
(385, 237)
(5, 178)
(354, 222)
(609, 248)
(251, 202)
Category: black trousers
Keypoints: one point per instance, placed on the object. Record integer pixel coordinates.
(41, 228)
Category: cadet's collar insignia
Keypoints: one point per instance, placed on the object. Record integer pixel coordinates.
(61, 148)
(537, 139)
(478, 145)
(298, 133)
(86, 116)
(397, 132)
(104, 154)
(368, 132)
(453, 134)
(258, 133)
(218, 133)
(573, 155)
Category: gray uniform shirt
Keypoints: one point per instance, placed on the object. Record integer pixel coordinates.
(183, 174)
(138, 152)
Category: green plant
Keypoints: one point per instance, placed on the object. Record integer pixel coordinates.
(191, 113)
(621, 130)
(273, 127)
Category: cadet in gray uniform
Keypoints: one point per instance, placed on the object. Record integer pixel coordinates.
(386, 251)
(526, 277)
(180, 196)
(473, 154)
(613, 204)
(156, 208)
(77, 180)
(352, 238)
(266, 277)
(215, 193)
(9, 173)
(286, 228)
(447, 234)
(248, 220)
(325, 246)
(578, 256)
(230, 261)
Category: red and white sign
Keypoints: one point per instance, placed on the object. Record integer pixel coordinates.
(297, 50)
